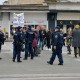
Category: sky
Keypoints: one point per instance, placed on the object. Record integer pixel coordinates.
(1, 1)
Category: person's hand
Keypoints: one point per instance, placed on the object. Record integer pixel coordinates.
(54, 47)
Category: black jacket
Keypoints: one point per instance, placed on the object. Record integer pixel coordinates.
(1, 38)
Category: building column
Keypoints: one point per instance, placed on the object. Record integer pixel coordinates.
(1, 20)
(6, 22)
(55, 19)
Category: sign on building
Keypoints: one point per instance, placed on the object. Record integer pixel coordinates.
(18, 20)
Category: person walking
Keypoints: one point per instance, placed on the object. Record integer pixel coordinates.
(57, 44)
(76, 40)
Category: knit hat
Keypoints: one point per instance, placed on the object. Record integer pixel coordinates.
(77, 26)
(29, 27)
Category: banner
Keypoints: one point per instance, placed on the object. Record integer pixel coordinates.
(18, 20)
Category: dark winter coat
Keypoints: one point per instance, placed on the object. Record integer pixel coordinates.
(76, 38)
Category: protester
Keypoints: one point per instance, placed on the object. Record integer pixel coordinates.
(69, 40)
(76, 40)
(34, 44)
(48, 39)
(42, 37)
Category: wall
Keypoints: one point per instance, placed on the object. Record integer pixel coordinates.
(38, 16)
(68, 16)
(70, 0)
(12, 2)
(65, 6)
(31, 1)
(29, 16)
(6, 22)
(32, 17)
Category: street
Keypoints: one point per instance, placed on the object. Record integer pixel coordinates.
(38, 69)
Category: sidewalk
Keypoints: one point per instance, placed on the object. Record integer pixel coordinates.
(38, 69)
(38, 65)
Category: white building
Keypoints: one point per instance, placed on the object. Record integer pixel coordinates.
(34, 14)
(69, 0)
(66, 12)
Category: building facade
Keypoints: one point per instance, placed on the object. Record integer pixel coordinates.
(19, 2)
(35, 13)
(65, 13)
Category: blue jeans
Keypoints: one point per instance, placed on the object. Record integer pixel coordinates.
(41, 44)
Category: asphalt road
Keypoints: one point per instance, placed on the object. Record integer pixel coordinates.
(38, 69)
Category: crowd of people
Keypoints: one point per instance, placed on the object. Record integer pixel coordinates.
(32, 41)
(35, 40)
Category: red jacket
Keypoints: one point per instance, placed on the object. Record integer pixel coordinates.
(34, 44)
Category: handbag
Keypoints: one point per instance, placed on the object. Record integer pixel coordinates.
(38, 51)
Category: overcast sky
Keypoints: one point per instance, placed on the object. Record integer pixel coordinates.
(1, 1)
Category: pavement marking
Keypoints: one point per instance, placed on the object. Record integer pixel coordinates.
(40, 76)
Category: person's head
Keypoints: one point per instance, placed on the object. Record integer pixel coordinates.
(77, 26)
(18, 28)
(42, 27)
(38, 27)
(29, 27)
(15, 29)
(47, 30)
(62, 30)
(26, 27)
(21, 29)
(0, 30)
(69, 30)
(57, 28)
